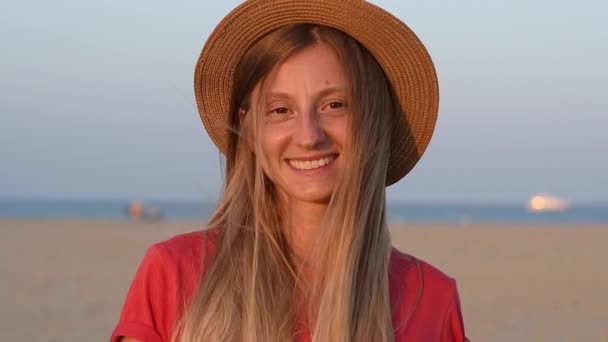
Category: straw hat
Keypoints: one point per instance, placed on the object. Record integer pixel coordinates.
(399, 52)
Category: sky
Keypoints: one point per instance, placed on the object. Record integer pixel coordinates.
(96, 100)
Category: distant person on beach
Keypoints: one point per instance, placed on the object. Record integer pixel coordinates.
(317, 105)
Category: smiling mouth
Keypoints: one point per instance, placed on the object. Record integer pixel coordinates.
(311, 164)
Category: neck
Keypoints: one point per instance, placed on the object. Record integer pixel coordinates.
(302, 221)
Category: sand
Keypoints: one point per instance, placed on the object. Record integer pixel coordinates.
(66, 280)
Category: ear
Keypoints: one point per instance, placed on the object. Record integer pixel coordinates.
(242, 113)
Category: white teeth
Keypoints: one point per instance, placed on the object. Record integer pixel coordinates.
(310, 164)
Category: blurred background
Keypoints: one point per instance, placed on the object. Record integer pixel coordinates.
(102, 153)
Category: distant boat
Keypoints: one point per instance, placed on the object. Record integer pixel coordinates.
(136, 210)
(547, 203)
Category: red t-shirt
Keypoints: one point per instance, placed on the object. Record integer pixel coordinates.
(170, 270)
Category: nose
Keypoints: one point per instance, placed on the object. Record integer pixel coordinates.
(309, 131)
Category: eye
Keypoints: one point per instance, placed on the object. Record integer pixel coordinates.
(334, 105)
(279, 110)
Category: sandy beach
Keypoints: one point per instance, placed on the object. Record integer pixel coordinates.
(66, 280)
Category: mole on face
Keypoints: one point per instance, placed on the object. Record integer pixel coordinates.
(326, 82)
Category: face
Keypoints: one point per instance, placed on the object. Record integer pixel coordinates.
(305, 118)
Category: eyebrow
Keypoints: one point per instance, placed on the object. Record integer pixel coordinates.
(322, 93)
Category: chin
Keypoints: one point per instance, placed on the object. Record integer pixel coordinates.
(320, 197)
(294, 190)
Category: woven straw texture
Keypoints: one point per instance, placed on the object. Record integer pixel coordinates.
(399, 52)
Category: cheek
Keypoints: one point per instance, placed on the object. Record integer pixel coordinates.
(337, 128)
(274, 139)
(273, 142)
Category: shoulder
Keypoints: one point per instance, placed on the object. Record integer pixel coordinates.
(409, 269)
(179, 261)
(424, 299)
(186, 246)
(163, 284)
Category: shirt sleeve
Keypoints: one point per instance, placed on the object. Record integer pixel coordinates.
(147, 308)
(453, 325)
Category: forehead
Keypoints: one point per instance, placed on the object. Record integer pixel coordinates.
(313, 67)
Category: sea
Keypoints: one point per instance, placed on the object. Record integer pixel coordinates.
(460, 214)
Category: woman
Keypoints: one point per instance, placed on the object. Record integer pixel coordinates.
(317, 106)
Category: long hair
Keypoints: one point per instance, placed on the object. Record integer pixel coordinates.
(253, 290)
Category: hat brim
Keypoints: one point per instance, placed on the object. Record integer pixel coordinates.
(397, 49)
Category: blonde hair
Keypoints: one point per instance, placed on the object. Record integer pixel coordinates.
(253, 290)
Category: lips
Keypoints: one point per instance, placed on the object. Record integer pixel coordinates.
(311, 164)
